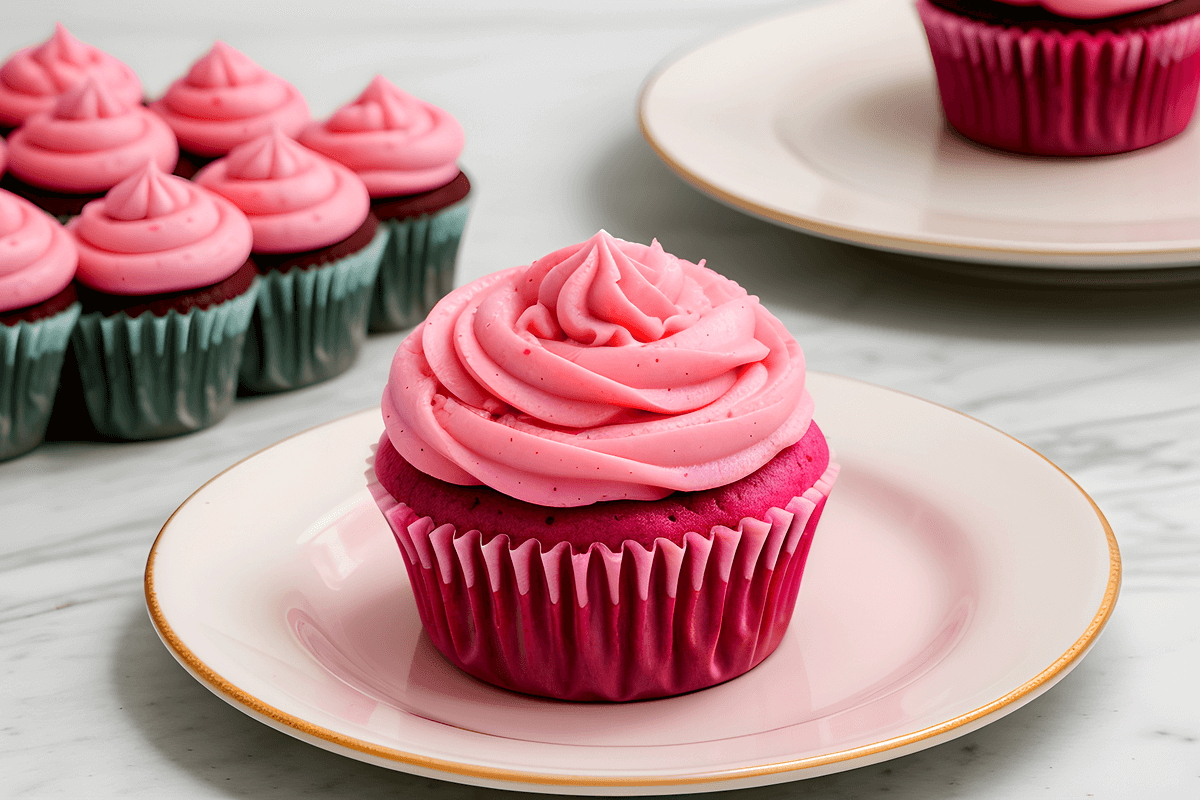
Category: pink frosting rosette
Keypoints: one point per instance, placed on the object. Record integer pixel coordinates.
(607, 370)
(37, 257)
(295, 199)
(226, 99)
(90, 141)
(33, 78)
(154, 233)
(396, 143)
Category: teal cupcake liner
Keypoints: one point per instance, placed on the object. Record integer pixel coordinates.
(418, 267)
(310, 323)
(148, 377)
(29, 373)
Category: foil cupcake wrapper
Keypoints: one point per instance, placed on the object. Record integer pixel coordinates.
(31, 359)
(417, 268)
(1066, 94)
(148, 377)
(633, 624)
(309, 324)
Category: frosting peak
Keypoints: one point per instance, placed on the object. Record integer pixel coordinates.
(272, 155)
(222, 66)
(89, 99)
(381, 106)
(146, 195)
(62, 46)
(607, 370)
(37, 258)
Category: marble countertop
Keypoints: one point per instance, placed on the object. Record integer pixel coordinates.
(1104, 382)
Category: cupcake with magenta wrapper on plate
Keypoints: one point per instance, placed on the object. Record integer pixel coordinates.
(168, 291)
(603, 474)
(91, 140)
(406, 151)
(1065, 77)
(38, 310)
(32, 79)
(224, 100)
(317, 248)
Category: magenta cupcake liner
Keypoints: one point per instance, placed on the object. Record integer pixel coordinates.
(1064, 94)
(603, 625)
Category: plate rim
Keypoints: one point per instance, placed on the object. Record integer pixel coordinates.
(944, 247)
(506, 778)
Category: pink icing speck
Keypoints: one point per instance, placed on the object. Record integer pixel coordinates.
(37, 257)
(1089, 9)
(155, 233)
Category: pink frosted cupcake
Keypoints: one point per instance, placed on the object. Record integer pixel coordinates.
(1065, 77)
(406, 151)
(32, 79)
(603, 474)
(91, 140)
(316, 247)
(224, 100)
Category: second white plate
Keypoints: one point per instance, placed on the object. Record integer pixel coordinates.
(827, 120)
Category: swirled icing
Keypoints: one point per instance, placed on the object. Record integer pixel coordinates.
(37, 257)
(1089, 9)
(33, 78)
(155, 233)
(226, 99)
(604, 371)
(295, 199)
(396, 143)
(89, 142)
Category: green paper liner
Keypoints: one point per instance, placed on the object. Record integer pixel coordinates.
(29, 374)
(310, 323)
(148, 377)
(418, 267)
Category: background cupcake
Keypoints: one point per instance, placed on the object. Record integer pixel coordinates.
(651, 476)
(167, 292)
(91, 140)
(32, 79)
(38, 310)
(317, 247)
(1065, 77)
(226, 99)
(406, 152)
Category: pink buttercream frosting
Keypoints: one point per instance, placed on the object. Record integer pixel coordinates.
(226, 99)
(37, 257)
(155, 233)
(295, 199)
(396, 143)
(607, 370)
(89, 142)
(33, 78)
(1089, 9)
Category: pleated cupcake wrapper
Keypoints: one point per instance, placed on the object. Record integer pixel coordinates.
(29, 374)
(147, 377)
(309, 324)
(1055, 93)
(418, 266)
(602, 625)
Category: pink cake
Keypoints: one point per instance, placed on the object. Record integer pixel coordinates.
(603, 474)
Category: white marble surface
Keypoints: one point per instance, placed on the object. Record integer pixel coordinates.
(1105, 383)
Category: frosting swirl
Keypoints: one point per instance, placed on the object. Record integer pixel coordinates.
(37, 257)
(295, 199)
(89, 142)
(607, 370)
(1089, 9)
(33, 78)
(226, 99)
(396, 143)
(155, 233)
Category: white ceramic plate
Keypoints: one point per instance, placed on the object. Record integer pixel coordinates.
(956, 575)
(827, 120)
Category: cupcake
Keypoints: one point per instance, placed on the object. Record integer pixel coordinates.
(316, 247)
(38, 311)
(603, 474)
(406, 152)
(1065, 77)
(224, 100)
(167, 290)
(62, 159)
(32, 79)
